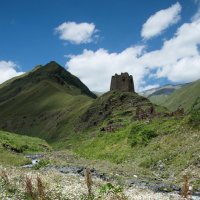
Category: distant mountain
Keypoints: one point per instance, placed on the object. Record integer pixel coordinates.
(163, 90)
(172, 97)
(45, 102)
(98, 93)
(184, 97)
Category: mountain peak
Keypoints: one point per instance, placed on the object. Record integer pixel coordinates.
(55, 72)
(53, 64)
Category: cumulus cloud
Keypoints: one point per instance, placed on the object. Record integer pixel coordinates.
(197, 14)
(76, 33)
(149, 87)
(95, 68)
(178, 60)
(160, 21)
(179, 57)
(8, 69)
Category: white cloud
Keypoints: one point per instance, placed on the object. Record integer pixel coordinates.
(8, 70)
(197, 14)
(95, 68)
(179, 57)
(178, 60)
(76, 33)
(149, 87)
(184, 70)
(160, 21)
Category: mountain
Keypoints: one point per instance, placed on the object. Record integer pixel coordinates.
(163, 90)
(117, 129)
(174, 96)
(184, 97)
(152, 144)
(160, 94)
(45, 102)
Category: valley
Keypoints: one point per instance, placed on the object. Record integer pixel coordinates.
(133, 146)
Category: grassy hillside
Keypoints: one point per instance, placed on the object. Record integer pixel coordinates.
(163, 148)
(184, 97)
(13, 146)
(46, 102)
(115, 107)
(158, 99)
(159, 146)
(195, 113)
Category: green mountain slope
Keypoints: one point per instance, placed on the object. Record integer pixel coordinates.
(184, 97)
(45, 102)
(159, 146)
(115, 107)
(13, 146)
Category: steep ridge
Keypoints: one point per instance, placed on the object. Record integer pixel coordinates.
(45, 102)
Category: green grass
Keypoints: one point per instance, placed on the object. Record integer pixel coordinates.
(47, 103)
(143, 145)
(158, 99)
(184, 97)
(54, 105)
(13, 147)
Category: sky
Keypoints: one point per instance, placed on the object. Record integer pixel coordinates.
(158, 42)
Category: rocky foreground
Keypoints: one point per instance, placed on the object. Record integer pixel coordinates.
(43, 184)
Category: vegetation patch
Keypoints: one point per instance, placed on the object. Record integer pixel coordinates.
(13, 147)
(141, 134)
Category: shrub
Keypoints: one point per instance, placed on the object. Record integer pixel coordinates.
(195, 117)
(42, 163)
(108, 187)
(141, 134)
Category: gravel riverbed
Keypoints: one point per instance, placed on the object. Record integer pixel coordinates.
(68, 186)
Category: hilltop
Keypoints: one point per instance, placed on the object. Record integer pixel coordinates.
(45, 102)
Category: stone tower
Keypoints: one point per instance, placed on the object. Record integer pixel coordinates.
(122, 82)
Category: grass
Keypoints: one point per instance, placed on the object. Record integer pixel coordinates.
(184, 97)
(45, 103)
(13, 147)
(54, 105)
(166, 146)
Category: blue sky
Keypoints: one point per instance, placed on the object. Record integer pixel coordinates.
(102, 37)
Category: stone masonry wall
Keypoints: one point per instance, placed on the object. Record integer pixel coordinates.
(122, 82)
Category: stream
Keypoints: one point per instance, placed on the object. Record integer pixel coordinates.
(154, 186)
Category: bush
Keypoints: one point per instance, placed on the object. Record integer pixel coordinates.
(195, 117)
(42, 163)
(108, 187)
(141, 134)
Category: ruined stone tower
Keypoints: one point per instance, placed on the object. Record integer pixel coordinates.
(122, 82)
